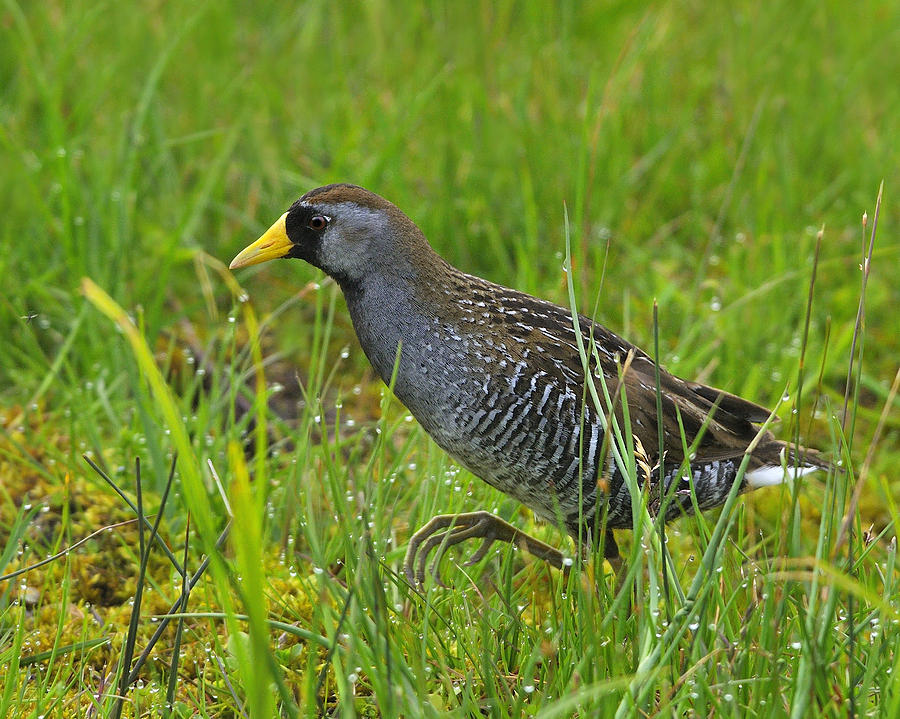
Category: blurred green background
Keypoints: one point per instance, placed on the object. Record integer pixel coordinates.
(703, 144)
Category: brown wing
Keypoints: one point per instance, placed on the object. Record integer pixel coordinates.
(725, 420)
(546, 330)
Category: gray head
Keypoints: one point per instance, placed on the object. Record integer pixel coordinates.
(346, 231)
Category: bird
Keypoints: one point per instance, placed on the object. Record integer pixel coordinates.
(527, 395)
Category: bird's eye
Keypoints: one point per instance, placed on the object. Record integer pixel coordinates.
(318, 222)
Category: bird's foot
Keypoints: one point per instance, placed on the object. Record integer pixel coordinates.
(445, 530)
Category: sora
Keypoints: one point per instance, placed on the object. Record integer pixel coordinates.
(496, 378)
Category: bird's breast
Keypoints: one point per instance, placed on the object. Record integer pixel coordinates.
(513, 422)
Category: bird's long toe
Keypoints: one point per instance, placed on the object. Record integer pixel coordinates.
(447, 530)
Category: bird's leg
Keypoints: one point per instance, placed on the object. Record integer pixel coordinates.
(611, 552)
(445, 530)
(611, 555)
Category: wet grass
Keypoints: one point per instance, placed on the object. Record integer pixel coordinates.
(707, 159)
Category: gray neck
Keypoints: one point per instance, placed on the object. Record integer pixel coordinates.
(386, 313)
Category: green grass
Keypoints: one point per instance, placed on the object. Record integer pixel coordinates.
(696, 150)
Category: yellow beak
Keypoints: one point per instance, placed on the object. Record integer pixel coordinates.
(273, 244)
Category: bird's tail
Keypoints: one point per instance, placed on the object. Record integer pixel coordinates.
(779, 461)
